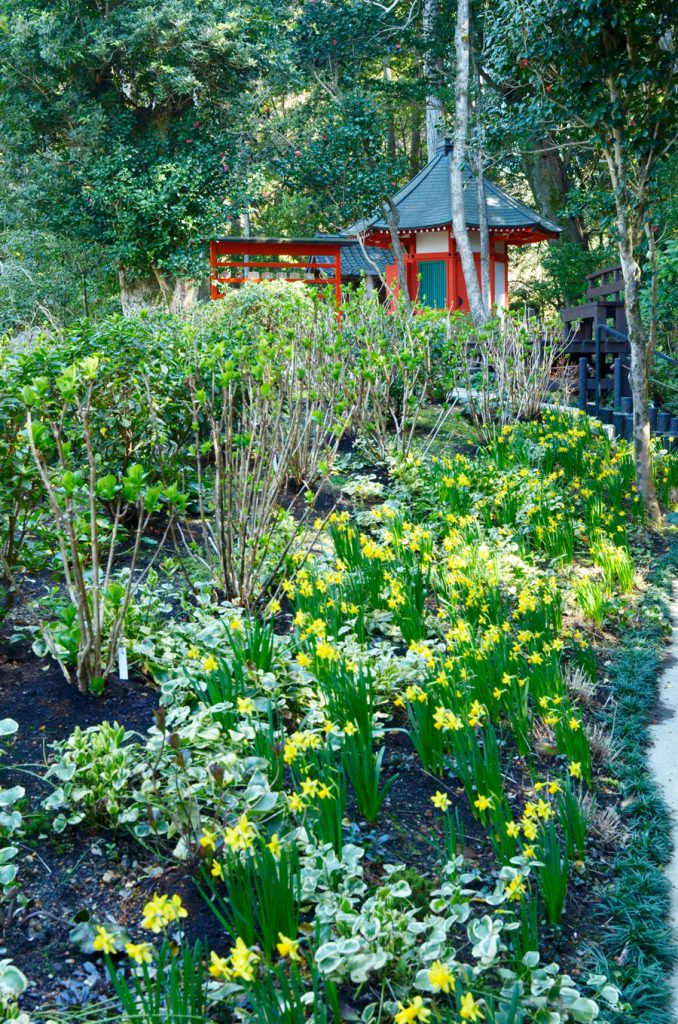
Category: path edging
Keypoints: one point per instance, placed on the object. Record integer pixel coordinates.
(637, 940)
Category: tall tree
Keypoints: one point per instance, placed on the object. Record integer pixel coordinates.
(433, 74)
(118, 122)
(339, 144)
(606, 69)
(478, 304)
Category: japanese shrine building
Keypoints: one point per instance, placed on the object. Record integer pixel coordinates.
(432, 263)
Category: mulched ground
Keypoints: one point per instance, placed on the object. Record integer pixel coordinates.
(62, 875)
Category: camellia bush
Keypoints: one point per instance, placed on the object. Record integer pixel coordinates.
(269, 409)
(503, 371)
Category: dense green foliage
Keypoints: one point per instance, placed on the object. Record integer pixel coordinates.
(131, 135)
(640, 882)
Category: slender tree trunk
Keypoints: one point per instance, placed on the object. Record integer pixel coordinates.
(627, 214)
(390, 131)
(432, 73)
(639, 374)
(630, 206)
(654, 292)
(247, 233)
(392, 218)
(547, 176)
(461, 88)
(415, 143)
(483, 225)
(485, 283)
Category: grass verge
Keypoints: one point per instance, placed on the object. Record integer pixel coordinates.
(637, 944)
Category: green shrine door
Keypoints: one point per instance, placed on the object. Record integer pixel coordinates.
(433, 283)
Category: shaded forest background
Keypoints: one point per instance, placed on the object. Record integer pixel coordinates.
(130, 134)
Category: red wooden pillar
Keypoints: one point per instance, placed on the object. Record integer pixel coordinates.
(411, 269)
(492, 262)
(214, 291)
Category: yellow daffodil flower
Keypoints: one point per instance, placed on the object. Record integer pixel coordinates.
(274, 845)
(208, 841)
(243, 961)
(219, 967)
(104, 941)
(414, 1011)
(470, 1009)
(441, 978)
(288, 947)
(140, 952)
(441, 800)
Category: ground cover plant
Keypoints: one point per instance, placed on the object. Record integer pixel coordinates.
(371, 768)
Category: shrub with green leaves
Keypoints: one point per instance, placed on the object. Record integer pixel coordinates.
(88, 509)
(93, 773)
(11, 831)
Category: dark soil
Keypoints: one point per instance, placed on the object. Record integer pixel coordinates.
(35, 693)
(62, 875)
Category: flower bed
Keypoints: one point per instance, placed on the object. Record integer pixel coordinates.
(394, 788)
(385, 778)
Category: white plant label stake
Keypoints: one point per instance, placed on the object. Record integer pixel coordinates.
(122, 662)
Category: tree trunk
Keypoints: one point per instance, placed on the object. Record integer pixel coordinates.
(631, 208)
(392, 217)
(157, 292)
(390, 130)
(654, 292)
(137, 293)
(178, 293)
(547, 177)
(247, 233)
(638, 377)
(415, 144)
(432, 74)
(485, 283)
(483, 226)
(462, 48)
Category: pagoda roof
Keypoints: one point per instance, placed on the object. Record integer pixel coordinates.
(426, 202)
(355, 262)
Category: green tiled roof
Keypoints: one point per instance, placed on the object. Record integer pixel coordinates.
(425, 202)
(353, 262)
